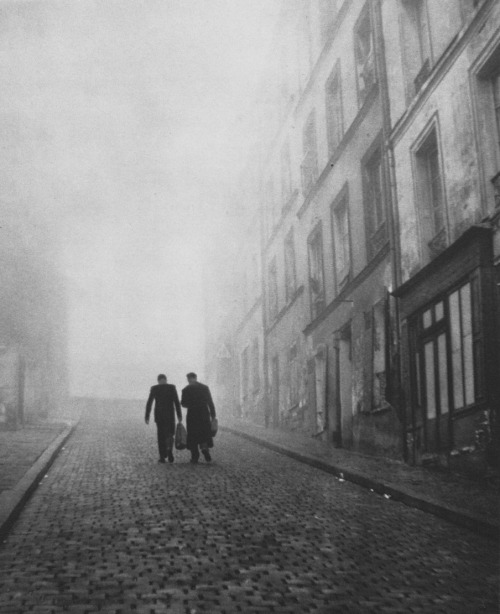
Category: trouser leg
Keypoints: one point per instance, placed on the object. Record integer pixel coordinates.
(195, 453)
(162, 440)
(169, 442)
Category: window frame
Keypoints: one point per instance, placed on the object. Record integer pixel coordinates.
(334, 78)
(430, 246)
(309, 166)
(362, 95)
(420, 335)
(316, 235)
(341, 202)
(376, 238)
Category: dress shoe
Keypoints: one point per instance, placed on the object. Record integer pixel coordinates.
(194, 460)
(170, 457)
(207, 456)
(161, 460)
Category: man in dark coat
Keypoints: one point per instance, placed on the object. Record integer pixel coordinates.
(166, 405)
(200, 411)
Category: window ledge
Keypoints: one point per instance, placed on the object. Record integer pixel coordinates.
(348, 135)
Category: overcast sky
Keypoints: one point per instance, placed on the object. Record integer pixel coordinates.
(126, 119)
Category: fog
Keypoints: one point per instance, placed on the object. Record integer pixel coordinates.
(123, 128)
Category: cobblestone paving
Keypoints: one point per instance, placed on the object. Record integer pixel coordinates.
(111, 530)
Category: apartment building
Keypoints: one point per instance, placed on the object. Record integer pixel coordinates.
(378, 190)
(327, 229)
(443, 64)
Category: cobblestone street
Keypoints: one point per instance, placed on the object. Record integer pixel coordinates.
(111, 530)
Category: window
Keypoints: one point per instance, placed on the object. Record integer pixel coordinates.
(416, 43)
(309, 165)
(316, 272)
(244, 374)
(341, 238)
(431, 194)
(294, 376)
(447, 353)
(334, 119)
(290, 272)
(364, 55)
(255, 365)
(374, 201)
(286, 175)
(427, 30)
(273, 290)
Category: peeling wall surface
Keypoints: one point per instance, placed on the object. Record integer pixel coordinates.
(376, 162)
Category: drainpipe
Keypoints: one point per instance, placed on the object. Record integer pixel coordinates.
(391, 208)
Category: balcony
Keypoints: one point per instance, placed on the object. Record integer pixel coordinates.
(309, 171)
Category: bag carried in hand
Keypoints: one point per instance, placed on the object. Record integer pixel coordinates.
(214, 425)
(180, 437)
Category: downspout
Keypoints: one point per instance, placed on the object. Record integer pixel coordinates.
(392, 213)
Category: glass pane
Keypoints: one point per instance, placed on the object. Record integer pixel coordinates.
(439, 311)
(427, 318)
(430, 388)
(456, 351)
(465, 296)
(443, 374)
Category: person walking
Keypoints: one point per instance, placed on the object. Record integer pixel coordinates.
(167, 404)
(196, 397)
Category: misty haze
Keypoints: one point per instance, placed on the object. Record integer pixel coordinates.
(249, 306)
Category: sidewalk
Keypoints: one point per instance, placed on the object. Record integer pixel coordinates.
(457, 499)
(25, 456)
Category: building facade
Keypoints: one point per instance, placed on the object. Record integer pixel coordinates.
(379, 246)
(443, 61)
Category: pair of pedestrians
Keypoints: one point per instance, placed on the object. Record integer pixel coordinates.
(196, 397)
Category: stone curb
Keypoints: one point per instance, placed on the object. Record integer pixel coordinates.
(13, 499)
(397, 493)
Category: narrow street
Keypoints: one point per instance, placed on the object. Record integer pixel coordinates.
(111, 530)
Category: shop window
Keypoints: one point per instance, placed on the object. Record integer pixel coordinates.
(447, 353)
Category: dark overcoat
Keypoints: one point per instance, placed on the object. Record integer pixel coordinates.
(200, 410)
(166, 402)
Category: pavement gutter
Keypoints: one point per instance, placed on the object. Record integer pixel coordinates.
(397, 493)
(14, 499)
